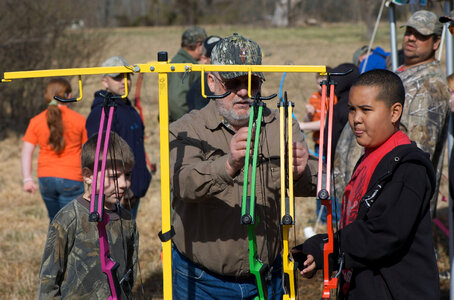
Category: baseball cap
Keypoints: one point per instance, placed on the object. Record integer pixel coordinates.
(237, 50)
(425, 22)
(209, 44)
(357, 54)
(114, 61)
(447, 18)
(192, 35)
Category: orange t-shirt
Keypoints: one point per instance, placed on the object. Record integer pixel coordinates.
(66, 164)
(315, 100)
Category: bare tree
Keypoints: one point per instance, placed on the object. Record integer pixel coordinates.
(39, 35)
(368, 11)
(283, 12)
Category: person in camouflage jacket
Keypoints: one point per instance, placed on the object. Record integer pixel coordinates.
(426, 109)
(71, 265)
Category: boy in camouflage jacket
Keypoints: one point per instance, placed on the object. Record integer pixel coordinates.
(71, 265)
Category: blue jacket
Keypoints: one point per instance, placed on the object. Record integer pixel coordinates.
(128, 124)
(377, 60)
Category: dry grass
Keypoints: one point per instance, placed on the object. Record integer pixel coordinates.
(23, 217)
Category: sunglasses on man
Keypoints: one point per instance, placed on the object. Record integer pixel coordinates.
(238, 83)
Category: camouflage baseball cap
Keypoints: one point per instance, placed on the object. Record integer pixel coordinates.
(448, 18)
(237, 50)
(193, 35)
(425, 22)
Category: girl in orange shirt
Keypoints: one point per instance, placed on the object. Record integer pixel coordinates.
(60, 134)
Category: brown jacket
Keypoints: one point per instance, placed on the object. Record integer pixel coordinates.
(207, 201)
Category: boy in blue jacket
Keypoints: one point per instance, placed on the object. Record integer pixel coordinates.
(127, 123)
(385, 232)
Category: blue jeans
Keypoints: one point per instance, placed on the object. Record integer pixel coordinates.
(191, 282)
(57, 192)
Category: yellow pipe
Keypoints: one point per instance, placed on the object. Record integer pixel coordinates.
(156, 67)
(165, 183)
(249, 78)
(65, 72)
(126, 86)
(80, 89)
(202, 77)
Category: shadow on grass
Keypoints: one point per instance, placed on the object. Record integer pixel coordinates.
(152, 287)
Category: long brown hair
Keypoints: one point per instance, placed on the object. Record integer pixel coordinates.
(56, 87)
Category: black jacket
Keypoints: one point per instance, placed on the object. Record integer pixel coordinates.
(128, 124)
(389, 246)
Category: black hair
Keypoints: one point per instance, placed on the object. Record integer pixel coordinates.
(391, 87)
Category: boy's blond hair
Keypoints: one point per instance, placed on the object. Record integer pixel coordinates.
(119, 153)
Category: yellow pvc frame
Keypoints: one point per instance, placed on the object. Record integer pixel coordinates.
(162, 69)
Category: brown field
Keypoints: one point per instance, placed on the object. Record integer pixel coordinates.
(23, 217)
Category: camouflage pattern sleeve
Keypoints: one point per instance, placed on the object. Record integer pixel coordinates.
(426, 108)
(53, 266)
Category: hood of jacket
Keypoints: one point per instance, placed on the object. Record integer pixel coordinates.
(399, 155)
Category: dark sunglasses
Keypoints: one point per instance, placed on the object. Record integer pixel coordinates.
(417, 35)
(238, 83)
(121, 77)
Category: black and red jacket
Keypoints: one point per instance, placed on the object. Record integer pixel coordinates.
(389, 246)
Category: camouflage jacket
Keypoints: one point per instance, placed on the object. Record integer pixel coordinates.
(426, 109)
(71, 266)
(424, 120)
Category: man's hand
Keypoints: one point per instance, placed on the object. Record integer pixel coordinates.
(300, 157)
(238, 144)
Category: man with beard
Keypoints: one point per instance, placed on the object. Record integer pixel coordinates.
(207, 153)
(425, 118)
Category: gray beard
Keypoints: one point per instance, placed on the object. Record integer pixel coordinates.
(231, 117)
